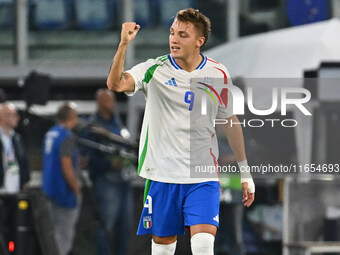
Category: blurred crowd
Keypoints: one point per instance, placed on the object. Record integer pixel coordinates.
(63, 160)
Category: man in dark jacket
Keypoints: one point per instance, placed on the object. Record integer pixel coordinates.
(113, 194)
(14, 170)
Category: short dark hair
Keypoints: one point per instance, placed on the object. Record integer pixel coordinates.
(200, 21)
(100, 91)
(65, 110)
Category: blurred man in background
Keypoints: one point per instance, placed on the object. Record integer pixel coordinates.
(14, 169)
(60, 176)
(3, 96)
(113, 194)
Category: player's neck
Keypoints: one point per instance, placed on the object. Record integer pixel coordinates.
(191, 63)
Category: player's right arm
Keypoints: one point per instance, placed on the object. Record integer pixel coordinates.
(118, 80)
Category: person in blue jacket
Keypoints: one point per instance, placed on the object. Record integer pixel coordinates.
(60, 176)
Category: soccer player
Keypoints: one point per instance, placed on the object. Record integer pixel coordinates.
(178, 134)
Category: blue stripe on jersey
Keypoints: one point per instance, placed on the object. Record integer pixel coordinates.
(200, 66)
(173, 62)
(204, 61)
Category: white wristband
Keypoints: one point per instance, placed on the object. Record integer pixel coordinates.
(246, 175)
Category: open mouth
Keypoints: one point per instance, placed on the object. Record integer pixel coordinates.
(175, 48)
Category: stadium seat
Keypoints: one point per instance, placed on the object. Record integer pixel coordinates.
(142, 13)
(94, 14)
(6, 13)
(52, 14)
(169, 8)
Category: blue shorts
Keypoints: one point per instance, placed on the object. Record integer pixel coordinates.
(169, 208)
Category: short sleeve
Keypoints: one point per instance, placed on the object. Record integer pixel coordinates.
(226, 110)
(67, 147)
(138, 72)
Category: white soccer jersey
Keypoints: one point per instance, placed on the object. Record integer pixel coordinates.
(178, 140)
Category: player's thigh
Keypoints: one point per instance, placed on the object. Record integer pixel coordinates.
(202, 205)
(203, 228)
(164, 240)
(162, 213)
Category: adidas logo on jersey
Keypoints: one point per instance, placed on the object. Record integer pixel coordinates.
(171, 82)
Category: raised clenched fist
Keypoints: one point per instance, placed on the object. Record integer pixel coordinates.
(129, 31)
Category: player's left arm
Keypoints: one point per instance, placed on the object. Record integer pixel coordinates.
(234, 134)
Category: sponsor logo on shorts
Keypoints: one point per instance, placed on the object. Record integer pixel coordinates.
(217, 218)
(147, 223)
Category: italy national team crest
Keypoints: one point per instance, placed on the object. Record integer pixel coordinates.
(147, 222)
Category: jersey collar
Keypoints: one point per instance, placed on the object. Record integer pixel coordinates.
(175, 65)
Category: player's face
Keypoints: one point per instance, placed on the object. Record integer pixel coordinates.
(184, 40)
